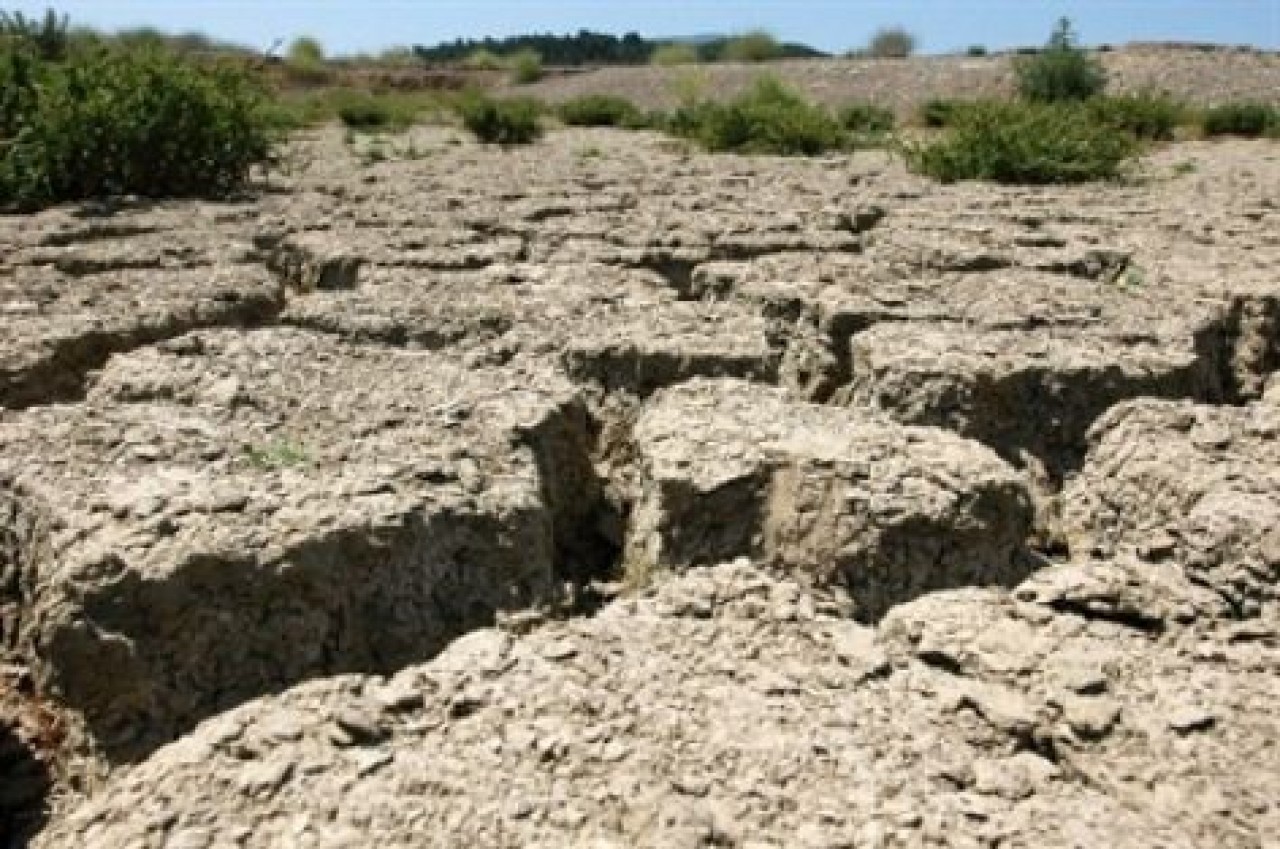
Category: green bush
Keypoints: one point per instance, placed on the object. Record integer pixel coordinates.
(674, 54)
(976, 50)
(1242, 118)
(362, 111)
(757, 46)
(483, 60)
(599, 110)
(20, 75)
(49, 36)
(769, 118)
(526, 66)
(940, 111)
(1146, 116)
(505, 122)
(115, 121)
(1030, 143)
(892, 43)
(1061, 71)
(866, 119)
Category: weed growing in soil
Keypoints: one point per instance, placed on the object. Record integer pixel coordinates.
(770, 118)
(1153, 117)
(526, 66)
(940, 112)
(866, 119)
(505, 122)
(600, 110)
(1243, 118)
(1030, 143)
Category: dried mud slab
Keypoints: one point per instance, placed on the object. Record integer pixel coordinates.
(612, 328)
(230, 513)
(1029, 395)
(77, 285)
(729, 469)
(730, 707)
(1189, 485)
(57, 328)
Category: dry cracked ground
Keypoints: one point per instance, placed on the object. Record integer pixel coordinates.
(603, 494)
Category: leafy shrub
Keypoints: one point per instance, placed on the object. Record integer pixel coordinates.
(505, 122)
(1242, 118)
(49, 36)
(757, 46)
(362, 111)
(20, 75)
(306, 53)
(675, 53)
(1145, 116)
(1031, 143)
(892, 43)
(599, 110)
(356, 109)
(770, 118)
(483, 60)
(304, 62)
(866, 119)
(114, 121)
(526, 66)
(976, 50)
(940, 111)
(1061, 71)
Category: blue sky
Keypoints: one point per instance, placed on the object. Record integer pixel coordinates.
(835, 25)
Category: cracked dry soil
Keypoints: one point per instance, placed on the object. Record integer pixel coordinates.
(602, 494)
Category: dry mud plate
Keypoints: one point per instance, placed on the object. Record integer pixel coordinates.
(603, 494)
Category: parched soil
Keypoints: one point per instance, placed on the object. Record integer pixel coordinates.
(1198, 75)
(601, 493)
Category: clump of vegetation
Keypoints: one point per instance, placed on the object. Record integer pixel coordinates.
(506, 122)
(481, 59)
(756, 46)
(1153, 117)
(891, 43)
(770, 118)
(940, 112)
(360, 110)
(866, 119)
(1243, 118)
(675, 53)
(357, 109)
(600, 110)
(526, 66)
(49, 36)
(279, 454)
(1061, 71)
(976, 50)
(305, 62)
(111, 121)
(1029, 143)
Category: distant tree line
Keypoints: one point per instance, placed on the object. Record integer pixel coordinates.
(586, 48)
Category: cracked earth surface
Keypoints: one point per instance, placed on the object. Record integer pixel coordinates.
(598, 493)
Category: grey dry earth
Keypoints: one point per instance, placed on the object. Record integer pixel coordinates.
(603, 494)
